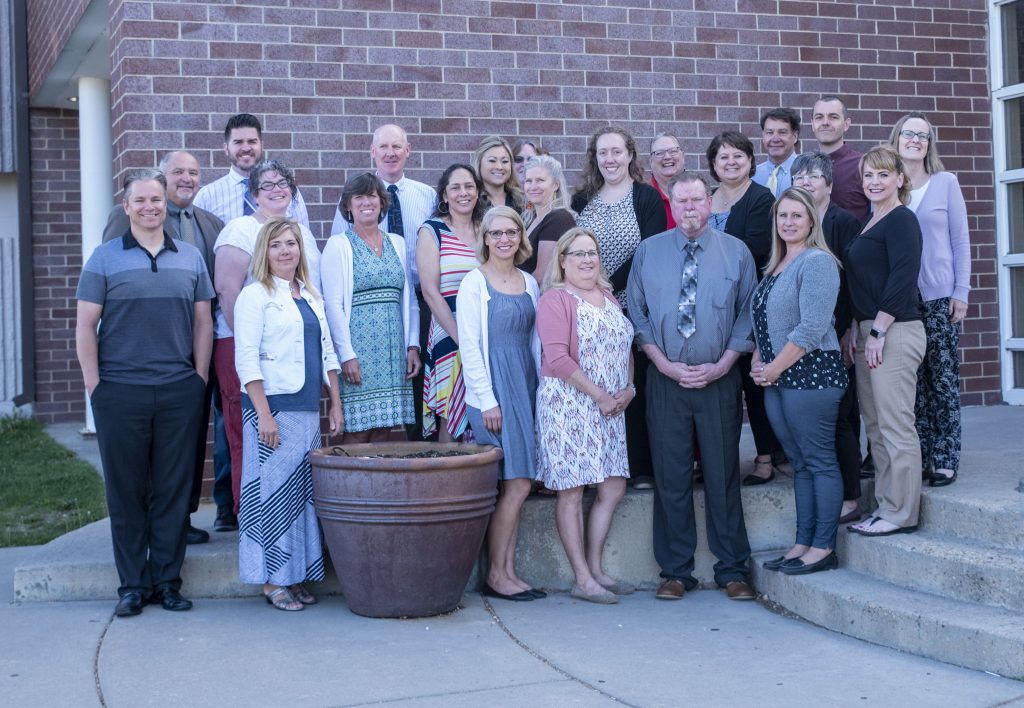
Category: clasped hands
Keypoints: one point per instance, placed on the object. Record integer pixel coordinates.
(693, 376)
(614, 403)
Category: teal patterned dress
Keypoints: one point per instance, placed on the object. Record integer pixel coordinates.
(384, 398)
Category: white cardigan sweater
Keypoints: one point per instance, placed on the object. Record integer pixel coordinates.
(336, 285)
(471, 316)
(269, 344)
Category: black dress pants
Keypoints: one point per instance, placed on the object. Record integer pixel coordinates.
(147, 437)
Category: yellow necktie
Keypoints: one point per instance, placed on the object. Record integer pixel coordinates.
(773, 180)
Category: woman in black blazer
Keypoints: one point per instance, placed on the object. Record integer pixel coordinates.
(742, 208)
(614, 202)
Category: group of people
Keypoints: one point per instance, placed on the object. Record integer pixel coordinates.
(498, 307)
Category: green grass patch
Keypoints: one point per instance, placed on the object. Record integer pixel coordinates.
(45, 491)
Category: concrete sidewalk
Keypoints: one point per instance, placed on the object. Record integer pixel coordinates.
(703, 651)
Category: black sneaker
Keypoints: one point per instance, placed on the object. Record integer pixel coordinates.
(226, 520)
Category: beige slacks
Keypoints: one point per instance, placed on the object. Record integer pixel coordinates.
(886, 396)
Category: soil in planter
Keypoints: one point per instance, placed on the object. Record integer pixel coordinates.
(337, 451)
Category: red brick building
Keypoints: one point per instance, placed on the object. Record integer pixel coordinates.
(321, 74)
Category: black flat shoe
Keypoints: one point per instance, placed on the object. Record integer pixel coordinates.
(172, 600)
(941, 480)
(537, 594)
(829, 562)
(774, 563)
(851, 517)
(194, 535)
(752, 480)
(524, 596)
(129, 605)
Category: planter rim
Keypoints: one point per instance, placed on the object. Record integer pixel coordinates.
(483, 454)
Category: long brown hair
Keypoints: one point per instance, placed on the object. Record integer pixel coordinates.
(591, 179)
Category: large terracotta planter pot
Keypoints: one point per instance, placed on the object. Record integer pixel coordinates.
(404, 534)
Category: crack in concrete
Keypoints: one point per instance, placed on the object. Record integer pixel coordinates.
(467, 692)
(547, 662)
(96, 663)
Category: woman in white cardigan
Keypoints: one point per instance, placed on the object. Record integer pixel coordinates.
(283, 356)
(500, 349)
(373, 316)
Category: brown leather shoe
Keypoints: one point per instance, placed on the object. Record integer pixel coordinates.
(671, 590)
(740, 590)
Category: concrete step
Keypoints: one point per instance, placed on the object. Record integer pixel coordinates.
(971, 509)
(940, 564)
(962, 633)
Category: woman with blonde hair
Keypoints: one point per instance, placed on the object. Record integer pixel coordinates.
(500, 350)
(493, 161)
(882, 267)
(283, 355)
(944, 282)
(586, 385)
(798, 362)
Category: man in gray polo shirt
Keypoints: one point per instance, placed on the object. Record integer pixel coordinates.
(689, 298)
(145, 370)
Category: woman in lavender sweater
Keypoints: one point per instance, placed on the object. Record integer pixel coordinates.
(944, 282)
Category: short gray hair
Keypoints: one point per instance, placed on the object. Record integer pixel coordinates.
(143, 175)
(687, 176)
(810, 161)
(257, 172)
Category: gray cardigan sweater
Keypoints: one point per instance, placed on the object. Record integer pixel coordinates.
(802, 301)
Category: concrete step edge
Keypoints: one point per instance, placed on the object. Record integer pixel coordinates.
(961, 633)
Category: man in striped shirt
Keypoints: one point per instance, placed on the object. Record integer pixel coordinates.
(227, 197)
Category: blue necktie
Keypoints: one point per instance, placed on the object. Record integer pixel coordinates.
(247, 206)
(395, 224)
(686, 321)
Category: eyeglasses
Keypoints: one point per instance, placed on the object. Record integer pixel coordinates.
(809, 177)
(910, 135)
(269, 186)
(582, 254)
(508, 235)
(519, 159)
(669, 152)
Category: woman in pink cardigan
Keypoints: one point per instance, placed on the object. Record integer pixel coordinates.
(586, 384)
(944, 281)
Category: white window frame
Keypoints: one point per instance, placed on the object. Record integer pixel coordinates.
(1003, 179)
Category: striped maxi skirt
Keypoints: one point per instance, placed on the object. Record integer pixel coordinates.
(279, 538)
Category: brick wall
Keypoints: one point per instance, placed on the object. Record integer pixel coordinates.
(49, 25)
(57, 262)
(323, 73)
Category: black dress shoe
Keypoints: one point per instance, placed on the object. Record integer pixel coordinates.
(194, 535)
(752, 480)
(129, 605)
(941, 480)
(537, 594)
(774, 563)
(829, 562)
(226, 520)
(524, 596)
(171, 599)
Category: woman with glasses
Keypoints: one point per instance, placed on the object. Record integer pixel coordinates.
(944, 282)
(882, 268)
(742, 208)
(812, 172)
(666, 163)
(271, 190)
(445, 252)
(615, 204)
(522, 151)
(493, 162)
(500, 352)
(586, 385)
(370, 308)
(547, 214)
(284, 357)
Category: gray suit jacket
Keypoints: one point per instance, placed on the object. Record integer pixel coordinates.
(209, 225)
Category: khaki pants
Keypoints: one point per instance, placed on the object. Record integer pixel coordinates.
(887, 396)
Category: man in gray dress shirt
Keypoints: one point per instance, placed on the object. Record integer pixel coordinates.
(694, 384)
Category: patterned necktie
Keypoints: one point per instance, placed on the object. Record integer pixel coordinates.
(686, 321)
(395, 225)
(247, 206)
(773, 180)
(186, 227)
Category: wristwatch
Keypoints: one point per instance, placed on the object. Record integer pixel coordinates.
(877, 333)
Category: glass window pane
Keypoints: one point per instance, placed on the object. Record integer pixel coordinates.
(1013, 26)
(1014, 130)
(1015, 208)
(1017, 300)
(1018, 369)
